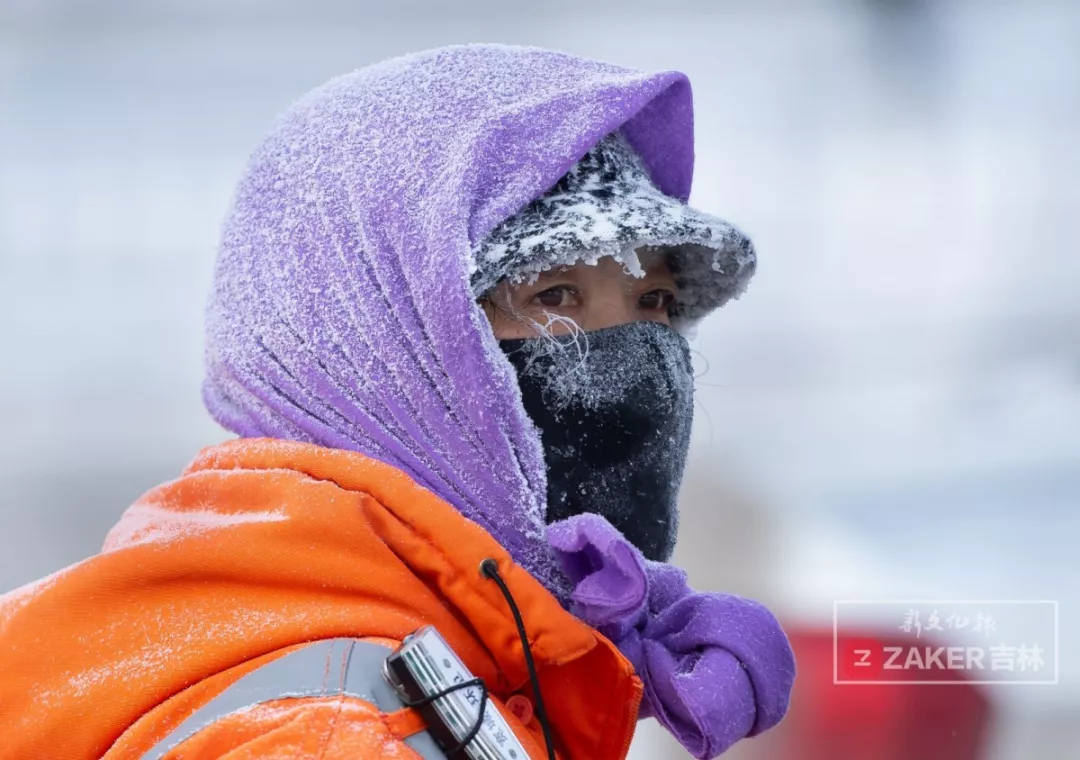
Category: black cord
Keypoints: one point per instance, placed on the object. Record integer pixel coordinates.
(478, 682)
(489, 568)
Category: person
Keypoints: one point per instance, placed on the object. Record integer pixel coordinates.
(448, 324)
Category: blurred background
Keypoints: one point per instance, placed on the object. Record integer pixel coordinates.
(892, 411)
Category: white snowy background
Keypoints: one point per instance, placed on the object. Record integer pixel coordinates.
(893, 410)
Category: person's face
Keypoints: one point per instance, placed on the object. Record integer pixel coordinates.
(592, 296)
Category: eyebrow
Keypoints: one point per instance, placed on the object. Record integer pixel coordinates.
(549, 274)
(659, 262)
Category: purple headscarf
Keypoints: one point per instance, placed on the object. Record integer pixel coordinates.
(341, 311)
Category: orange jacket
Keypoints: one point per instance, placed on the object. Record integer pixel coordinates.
(261, 546)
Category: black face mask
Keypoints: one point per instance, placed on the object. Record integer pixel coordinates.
(614, 408)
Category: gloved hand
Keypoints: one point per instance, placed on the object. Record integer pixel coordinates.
(716, 667)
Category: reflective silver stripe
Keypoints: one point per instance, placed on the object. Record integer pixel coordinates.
(330, 668)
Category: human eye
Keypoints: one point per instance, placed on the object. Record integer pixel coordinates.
(557, 297)
(659, 299)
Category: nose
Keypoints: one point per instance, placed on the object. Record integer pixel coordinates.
(610, 306)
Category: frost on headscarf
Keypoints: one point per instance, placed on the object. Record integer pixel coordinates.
(341, 312)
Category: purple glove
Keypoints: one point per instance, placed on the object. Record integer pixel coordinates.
(716, 667)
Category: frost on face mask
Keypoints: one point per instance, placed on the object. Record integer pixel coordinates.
(614, 409)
